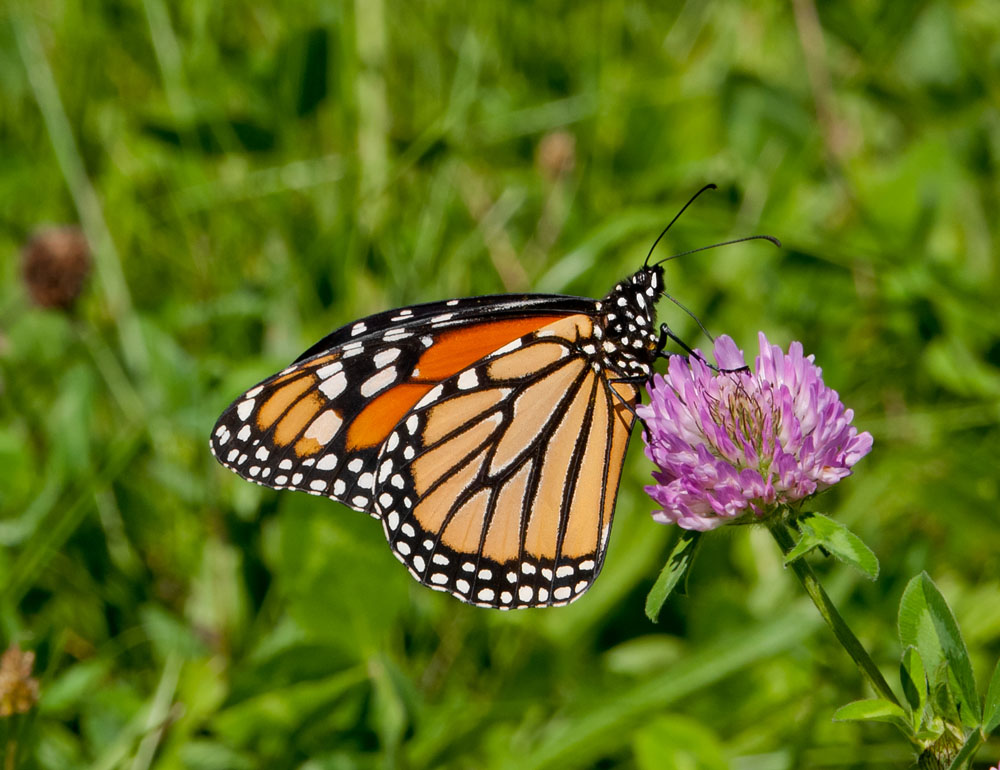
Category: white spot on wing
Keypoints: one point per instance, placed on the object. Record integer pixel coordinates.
(244, 408)
(378, 381)
(429, 398)
(333, 386)
(386, 357)
(467, 380)
(327, 462)
(513, 345)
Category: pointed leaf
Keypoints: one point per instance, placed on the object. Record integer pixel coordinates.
(678, 563)
(806, 543)
(927, 623)
(914, 681)
(991, 714)
(873, 709)
(819, 531)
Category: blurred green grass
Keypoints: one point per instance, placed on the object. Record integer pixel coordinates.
(252, 176)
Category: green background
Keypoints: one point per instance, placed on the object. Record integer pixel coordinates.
(252, 176)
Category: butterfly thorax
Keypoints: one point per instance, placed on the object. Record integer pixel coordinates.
(628, 323)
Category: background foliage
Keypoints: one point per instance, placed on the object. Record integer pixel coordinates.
(251, 176)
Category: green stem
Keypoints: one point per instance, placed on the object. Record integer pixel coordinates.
(833, 619)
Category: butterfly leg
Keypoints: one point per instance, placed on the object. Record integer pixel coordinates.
(620, 397)
(667, 334)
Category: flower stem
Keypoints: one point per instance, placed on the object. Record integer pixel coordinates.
(830, 614)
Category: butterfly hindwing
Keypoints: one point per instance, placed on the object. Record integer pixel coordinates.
(501, 492)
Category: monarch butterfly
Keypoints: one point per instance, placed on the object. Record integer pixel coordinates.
(487, 434)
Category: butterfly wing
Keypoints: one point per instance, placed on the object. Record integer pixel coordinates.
(477, 430)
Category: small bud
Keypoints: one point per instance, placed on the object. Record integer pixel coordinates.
(18, 689)
(55, 263)
(556, 155)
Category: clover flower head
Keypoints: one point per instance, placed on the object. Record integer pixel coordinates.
(729, 443)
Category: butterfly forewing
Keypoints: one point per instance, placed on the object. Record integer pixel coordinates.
(318, 425)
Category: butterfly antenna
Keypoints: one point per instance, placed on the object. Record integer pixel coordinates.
(770, 238)
(693, 198)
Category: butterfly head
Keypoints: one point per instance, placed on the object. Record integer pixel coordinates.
(628, 313)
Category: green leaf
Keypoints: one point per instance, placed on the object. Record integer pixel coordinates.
(873, 709)
(819, 531)
(914, 680)
(991, 714)
(678, 563)
(927, 623)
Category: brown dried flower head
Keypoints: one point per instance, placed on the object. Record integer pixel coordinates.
(18, 689)
(55, 262)
(556, 155)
